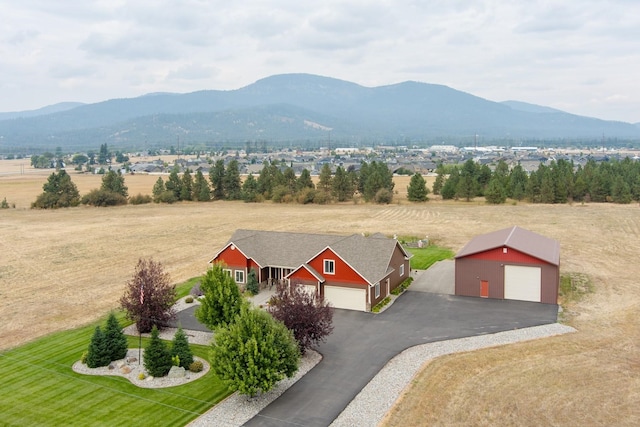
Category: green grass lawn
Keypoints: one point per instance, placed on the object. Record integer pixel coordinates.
(40, 388)
(424, 258)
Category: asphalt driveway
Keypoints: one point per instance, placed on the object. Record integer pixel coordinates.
(362, 343)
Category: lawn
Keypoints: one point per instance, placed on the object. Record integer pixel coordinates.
(424, 258)
(40, 388)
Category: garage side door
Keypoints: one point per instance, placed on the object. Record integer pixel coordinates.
(522, 283)
(349, 298)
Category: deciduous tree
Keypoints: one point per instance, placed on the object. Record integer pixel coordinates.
(149, 296)
(253, 353)
(305, 313)
(221, 301)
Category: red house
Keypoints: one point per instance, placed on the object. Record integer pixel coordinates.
(352, 272)
(512, 263)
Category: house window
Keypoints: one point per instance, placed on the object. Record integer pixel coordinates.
(329, 266)
(239, 276)
(377, 289)
(228, 272)
(401, 269)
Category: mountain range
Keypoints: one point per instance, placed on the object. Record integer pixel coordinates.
(301, 110)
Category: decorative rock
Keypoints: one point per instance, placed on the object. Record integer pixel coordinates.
(149, 378)
(111, 367)
(176, 372)
(120, 364)
(132, 359)
(125, 370)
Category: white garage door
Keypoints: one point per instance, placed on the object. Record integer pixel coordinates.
(522, 283)
(349, 298)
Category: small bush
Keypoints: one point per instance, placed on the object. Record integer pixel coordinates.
(306, 196)
(140, 199)
(381, 304)
(383, 196)
(175, 360)
(188, 299)
(141, 376)
(83, 358)
(196, 291)
(321, 198)
(103, 198)
(5, 205)
(196, 366)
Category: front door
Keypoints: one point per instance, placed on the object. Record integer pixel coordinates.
(484, 288)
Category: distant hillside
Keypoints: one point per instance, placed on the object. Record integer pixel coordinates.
(302, 109)
(55, 108)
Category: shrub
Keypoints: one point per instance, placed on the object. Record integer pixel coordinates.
(196, 366)
(253, 287)
(5, 205)
(383, 196)
(175, 360)
(381, 304)
(196, 291)
(115, 341)
(306, 196)
(141, 376)
(101, 198)
(83, 358)
(321, 198)
(188, 299)
(140, 199)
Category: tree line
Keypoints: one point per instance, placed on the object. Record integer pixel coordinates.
(558, 182)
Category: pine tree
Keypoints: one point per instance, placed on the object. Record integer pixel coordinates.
(158, 190)
(114, 182)
(157, 358)
(98, 353)
(59, 192)
(304, 181)
(439, 182)
(467, 185)
(116, 341)
(495, 192)
(253, 287)
(232, 183)
(201, 191)
(417, 190)
(180, 347)
(325, 180)
(250, 189)
(216, 176)
(451, 184)
(174, 184)
(342, 186)
(186, 186)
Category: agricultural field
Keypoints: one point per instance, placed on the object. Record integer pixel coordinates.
(67, 268)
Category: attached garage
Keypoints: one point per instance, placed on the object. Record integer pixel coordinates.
(349, 298)
(513, 264)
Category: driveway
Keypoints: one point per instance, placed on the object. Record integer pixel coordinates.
(362, 343)
(439, 278)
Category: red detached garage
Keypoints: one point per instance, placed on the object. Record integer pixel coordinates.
(512, 263)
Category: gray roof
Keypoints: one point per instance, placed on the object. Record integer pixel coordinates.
(369, 256)
(517, 238)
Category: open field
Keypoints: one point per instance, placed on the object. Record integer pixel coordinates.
(62, 269)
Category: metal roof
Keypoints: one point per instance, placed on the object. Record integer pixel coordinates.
(517, 238)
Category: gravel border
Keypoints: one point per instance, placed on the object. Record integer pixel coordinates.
(370, 406)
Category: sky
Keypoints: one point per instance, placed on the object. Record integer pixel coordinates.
(580, 56)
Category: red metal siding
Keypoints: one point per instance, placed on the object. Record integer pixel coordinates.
(232, 258)
(343, 273)
(302, 274)
(512, 256)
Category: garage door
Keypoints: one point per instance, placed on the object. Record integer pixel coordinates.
(349, 298)
(522, 283)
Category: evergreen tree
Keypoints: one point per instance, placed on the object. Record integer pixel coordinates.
(255, 352)
(290, 180)
(201, 191)
(221, 301)
(304, 181)
(620, 191)
(186, 186)
(116, 341)
(483, 176)
(180, 347)
(363, 175)
(59, 192)
(174, 184)
(325, 181)
(114, 182)
(468, 184)
(250, 189)
(495, 192)
(232, 183)
(103, 155)
(440, 178)
(378, 177)
(517, 183)
(450, 186)
(342, 186)
(417, 190)
(158, 190)
(216, 176)
(98, 353)
(547, 188)
(253, 287)
(157, 357)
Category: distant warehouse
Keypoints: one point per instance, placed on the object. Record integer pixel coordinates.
(512, 263)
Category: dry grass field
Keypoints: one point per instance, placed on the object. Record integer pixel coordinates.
(60, 269)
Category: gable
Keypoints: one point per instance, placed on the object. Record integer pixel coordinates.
(231, 256)
(511, 255)
(343, 272)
